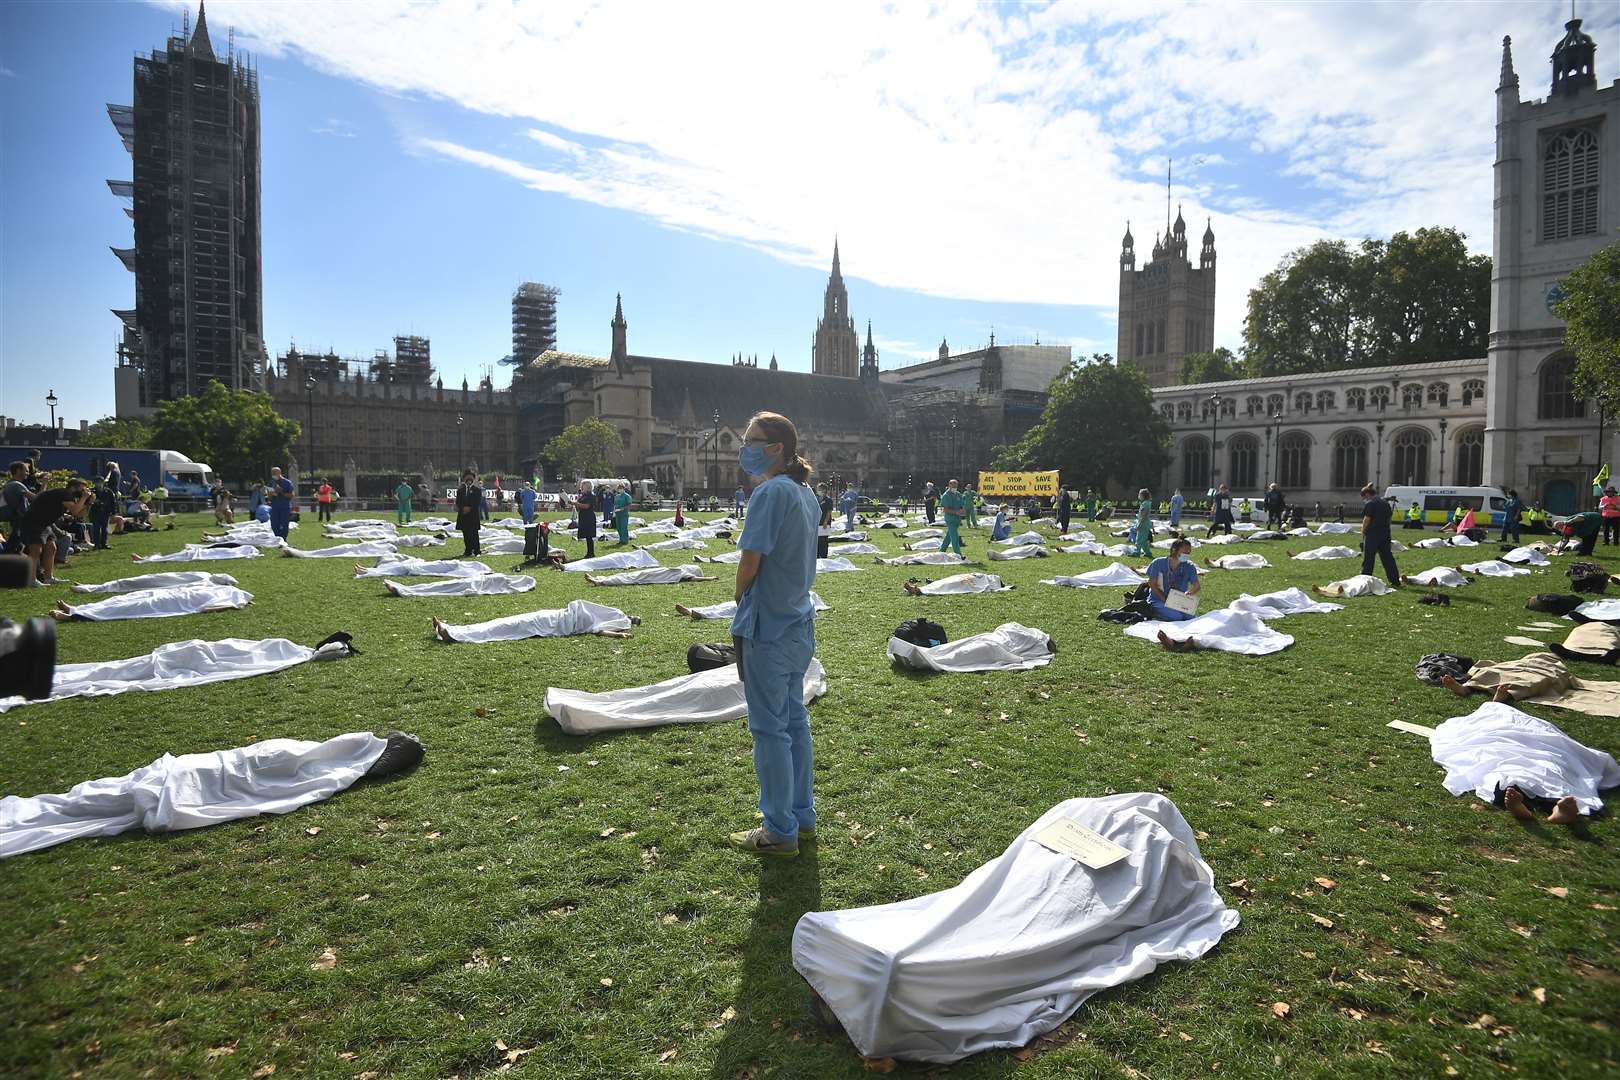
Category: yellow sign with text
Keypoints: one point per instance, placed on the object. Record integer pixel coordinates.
(1019, 483)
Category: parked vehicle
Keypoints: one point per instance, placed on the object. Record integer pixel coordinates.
(1437, 503)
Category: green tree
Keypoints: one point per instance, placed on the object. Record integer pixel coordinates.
(583, 449)
(1099, 427)
(1590, 309)
(237, 432)
(120, 432)
(1414, 298)
(1217, 366)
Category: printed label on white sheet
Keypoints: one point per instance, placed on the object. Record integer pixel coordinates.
(1068, 837)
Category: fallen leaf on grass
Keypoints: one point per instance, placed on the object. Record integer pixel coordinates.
(221, 1051)
(1323, 922)
(1556, 890)
(1540, 994)
(313, 831)
(1184, 1036)
(264, 1070)
(725, 1018)
(1325, 884)
(432, 836)
(1240, 886)
(605, 982)
(668, 1054)
(1281, 1009)
(362, 898)
(880, 1065)
(325, 962)
(1355, 1014)
(1024, 1053)
(607, 832)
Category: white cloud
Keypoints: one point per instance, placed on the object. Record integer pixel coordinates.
(337, 128)
(962, 150)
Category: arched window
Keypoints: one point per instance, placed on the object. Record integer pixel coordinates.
(1244, 460)
(1184, 411)
(1473, 391)
(1302, 402)
(1229, 408)
(1195, 463)
(1558, 400)
(1324, 400)
(1355, 399)
(1380, 397)
(1569, 185)
(1439, 393)
(1254, 405)
(725, 440)
(1294, 460)
(1204, 409)
(1274, 404)
(1168, 411)
(628, 439)
(1471, 457)
(1411, 396)
(1350, 460)
(1410, 462)
(1140, 351)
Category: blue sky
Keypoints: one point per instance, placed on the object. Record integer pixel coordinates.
(977, 162)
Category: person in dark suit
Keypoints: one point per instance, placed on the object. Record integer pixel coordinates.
(585, 506)
(469, 513)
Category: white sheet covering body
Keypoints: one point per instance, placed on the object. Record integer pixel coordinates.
(1013, 950)
(1446, 576)
(677, 543)
(834, 566)
(416, 541)
(1606, 610)
(842, 551)
(482, 585)
(728, 608)
(618, 560)
(1021, 539)
(1274, 605)
(1113, 576)
(261, 538)
(177, 664)
(1499, 746)
(1494, 568)
(1022, 551)
(1431, 542)
(275, 776)
(203, 553)
(579, 617)
(410, 566)
(1329, 552)
(926, 558)
(1247, 561)
(163, 603)
(1224, 630)
(1527, 556)
(1084, 547)
(958, 584)
(1462, 540)
(702, 698)
(924, 534)
(1328, 528)
(1360, 585)
(174, 579)
(654, 575)
(1009, 647)
(366, 549)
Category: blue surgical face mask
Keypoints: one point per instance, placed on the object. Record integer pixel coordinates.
(753, 459)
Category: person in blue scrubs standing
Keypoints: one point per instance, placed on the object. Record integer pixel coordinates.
(281, 493)
(774, 631)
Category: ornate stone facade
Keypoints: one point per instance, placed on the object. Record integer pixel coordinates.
(1167, 308)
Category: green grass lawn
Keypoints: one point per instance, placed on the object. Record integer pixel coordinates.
(568, 907)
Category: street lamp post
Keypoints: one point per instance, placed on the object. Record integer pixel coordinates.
(1442, 451)
(309, 443)
(461, 446)
(51, 399)
(1214, 433)
(954, 456)
(1601, 419)
(1378, 476)
(714, 455)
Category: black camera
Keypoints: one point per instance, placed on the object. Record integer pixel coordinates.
(27, 658)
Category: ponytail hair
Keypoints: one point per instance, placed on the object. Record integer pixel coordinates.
(780, 429)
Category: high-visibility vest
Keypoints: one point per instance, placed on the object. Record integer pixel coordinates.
(1610, 505)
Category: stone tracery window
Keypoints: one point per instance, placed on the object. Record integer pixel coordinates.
(1244, 455)
(1325, 400)
(1350, 460)
(1471, 457)
(1274, 404)
(1302, 402)
(1439, 393)
(1412, 396)
(1558, 398)
(1254, 405)
(1184, 411)
(1195, 463)
(1294, 460)
(1410, 460)
(1569, 185)
(1380, 397)
(1355, 399)
(1473, 391)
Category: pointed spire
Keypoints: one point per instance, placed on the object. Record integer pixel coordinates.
(199, 45)
(868, 333)
(1129, 241)
(618, 308)
(1209, 230)
(1180, 225)
(1509, 76)
(836, 272)
(773, 361)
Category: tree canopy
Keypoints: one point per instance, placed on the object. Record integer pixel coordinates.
(1590, 309)
(583, 449)
(1414, 298)
(1099, 426)
(120, 432)
(1217, 366)
(236, 432)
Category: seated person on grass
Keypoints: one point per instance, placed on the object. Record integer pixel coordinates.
(1174, 572)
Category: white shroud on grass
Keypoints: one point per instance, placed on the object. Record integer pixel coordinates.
(1012, 951)
(1494, 568)
(366, 549)
(1528, 555)
(703, 698)
(203, 553)
(1022, 551)
(410, 566)
(842, 551)
(958, 584)
(1446, 576)
(1497, 746)
(174, 579)
(191, 791)
(1113, 576)
(579, 617)
(1360, 585)
(618, 560)
(834, 566)
(1247, 561)
(1329, 552)
(926, 558)
(1223, 630)
(1274, 605)
(1009, 647)
(728, 608)
(482, 585)
(653, 575)
(163, 603)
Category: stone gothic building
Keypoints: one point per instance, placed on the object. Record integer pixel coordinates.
(835, 348)
(1167, 308)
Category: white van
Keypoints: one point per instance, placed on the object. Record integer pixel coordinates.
(1437, 503)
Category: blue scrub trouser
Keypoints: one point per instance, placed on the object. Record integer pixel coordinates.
(1143, 539)
(280, 518)
(952, 540)
(773, 685)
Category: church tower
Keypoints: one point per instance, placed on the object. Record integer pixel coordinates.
(869, 356)
(837, 346)
(1167, 308)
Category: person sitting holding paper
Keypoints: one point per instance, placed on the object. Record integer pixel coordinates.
(1173, 583)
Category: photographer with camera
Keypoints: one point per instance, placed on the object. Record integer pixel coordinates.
(36, 528)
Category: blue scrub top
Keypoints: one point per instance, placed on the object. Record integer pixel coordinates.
(781, 527)
(1182, 577)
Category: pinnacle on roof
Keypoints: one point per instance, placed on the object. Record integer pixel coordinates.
(618, 308)
(199, 45)
(1129, 241)
(836, 272)
(1209, 231)
(868, 333)
(1509, 76)
(1180, 226)
(1572, 61)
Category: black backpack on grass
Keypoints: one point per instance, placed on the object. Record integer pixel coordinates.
(921, 632)
(708, 655)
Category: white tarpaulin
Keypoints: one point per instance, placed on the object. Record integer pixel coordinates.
(579, 617)
(1527, 556)
(958, 584)
(1440, 575)
(728, 609)
(1009, 647)
(1360, 585)
(175, 579)
(1224, 630)
(1012, 951)
(1022, 551)
(1274, 605)
(203, 553)
(191, 791)
(928, 558)
(703, 698)
(178, 664)
(482, 585)
(1327, 553)
(1497, 746)
(410, 566)
(366, 549)
(843, 551)
(652, 575)
(618, 560)
(1247, 561)
(1494, 568)
(1113, 576)
(834, 566)
(163, 603)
